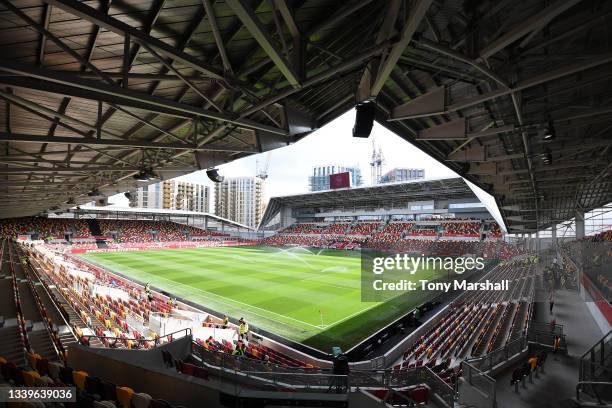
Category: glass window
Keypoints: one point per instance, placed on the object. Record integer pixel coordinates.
(465, 205)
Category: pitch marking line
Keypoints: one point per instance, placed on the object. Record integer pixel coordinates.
(249, 307)
(174, 283)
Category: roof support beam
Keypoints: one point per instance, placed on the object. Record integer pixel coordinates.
(299, 45)
(118, 27)
(400, 114)
(532, 23)
(386, 30)
(46, 111)
(415, 15)
(38, 169)
(42, 38)
(212, 20)
(125, 97)
(13, 137)
(252, 23)
(187, 82)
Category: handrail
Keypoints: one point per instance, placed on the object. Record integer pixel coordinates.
(53, 300)
(487, 391)
(389, 379)
(581, 384)
(595, 345)
(53, 335)
(484, 374)
(505, 349)
(140, 341)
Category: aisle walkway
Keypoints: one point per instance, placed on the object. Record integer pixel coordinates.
(558, 385)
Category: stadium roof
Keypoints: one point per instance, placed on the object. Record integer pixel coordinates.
(125, 211)
(93, 92)
(376, 196)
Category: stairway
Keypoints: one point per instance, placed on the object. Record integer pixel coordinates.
(96, 231)
(11, 347)
(41, 343)
(7, 301)
(94, 227)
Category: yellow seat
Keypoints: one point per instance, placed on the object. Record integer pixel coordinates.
(79, 379)
(29, 377)
(124, 396)
(32, 359)
(3, 360)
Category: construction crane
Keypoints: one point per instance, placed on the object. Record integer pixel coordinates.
(262, 172)
(376, 163)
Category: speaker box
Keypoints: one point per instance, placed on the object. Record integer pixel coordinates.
(214, 175)
(364, 119)
(102, 202)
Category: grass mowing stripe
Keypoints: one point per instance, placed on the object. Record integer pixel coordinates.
(279, 290)
(173, 283)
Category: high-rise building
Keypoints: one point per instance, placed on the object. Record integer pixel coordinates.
(319, 178)
(240, 199)
(149, 196)
(402, 174)
(172, 195)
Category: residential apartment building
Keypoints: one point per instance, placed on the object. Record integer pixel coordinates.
(172, 195)
(240, 199)
(402, 174)
(319, 178)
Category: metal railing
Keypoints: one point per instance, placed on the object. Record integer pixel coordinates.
(601, 391)
(273, 376)
(230, 362)
(543, 327)
(139, 343)
(597, 360)
(482, 383)
(547, 338)
(487, 362)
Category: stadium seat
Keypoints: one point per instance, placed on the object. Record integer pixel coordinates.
(78, 379)
(141, 400)
(124, 396)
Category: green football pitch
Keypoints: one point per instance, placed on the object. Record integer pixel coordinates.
(305, 295)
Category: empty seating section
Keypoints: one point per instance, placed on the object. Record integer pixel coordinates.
(43, 227)
(29, 329)
(303, 229)
(337, 228)
(253, 351)
(148, 231)
(450, 237)
(91, 391)
(103, 318)
(301, 240)
(462, 229)
(81, 233)
(364, 228)
(478, 322)
(47, 298)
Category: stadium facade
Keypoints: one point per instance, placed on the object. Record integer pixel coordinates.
(99, 98)
(445, 198)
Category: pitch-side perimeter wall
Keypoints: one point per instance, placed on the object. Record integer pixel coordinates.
(163, 245)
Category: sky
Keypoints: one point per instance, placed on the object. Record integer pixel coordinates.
(334, 144)
(290, 166)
